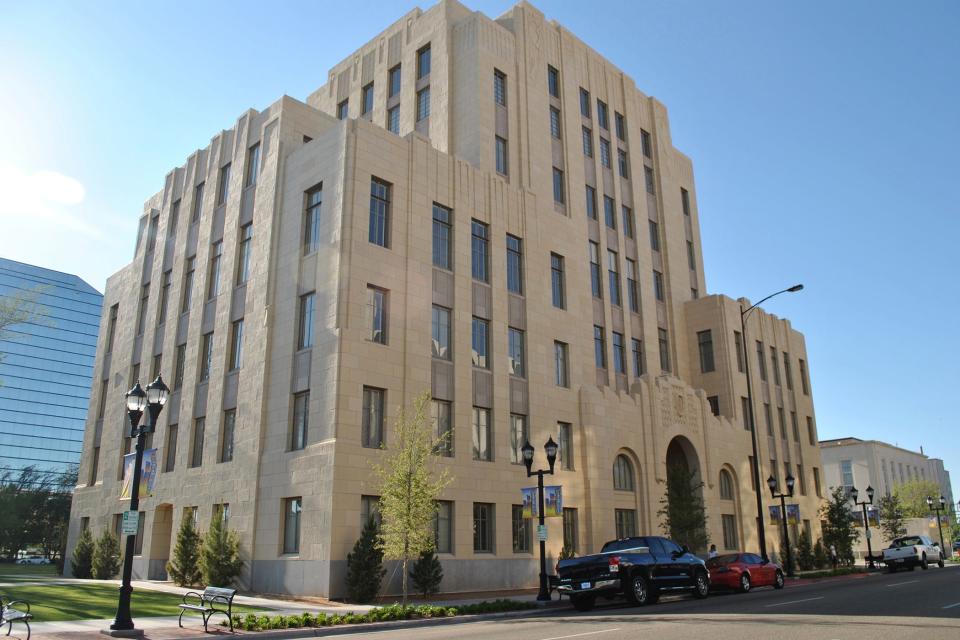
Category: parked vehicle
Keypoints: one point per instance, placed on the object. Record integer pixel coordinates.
(743, 572)
(639, 569)
(912, 552)
(33, 560)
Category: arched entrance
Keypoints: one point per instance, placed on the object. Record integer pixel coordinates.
(160, 542)
(684, 515)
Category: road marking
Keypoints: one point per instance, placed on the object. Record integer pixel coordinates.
(580, 635)
(898, 584)
(951, 606)
(780, 604)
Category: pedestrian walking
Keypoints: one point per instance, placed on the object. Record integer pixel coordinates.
(713, 551)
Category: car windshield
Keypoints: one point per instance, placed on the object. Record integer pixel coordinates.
(720, 561)
(909, 541)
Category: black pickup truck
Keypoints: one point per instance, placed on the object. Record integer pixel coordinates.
(638, 568)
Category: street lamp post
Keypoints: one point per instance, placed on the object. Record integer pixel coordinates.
(551, 449)
(152, 400)
(866, 520)
(753, 424)
(772, 483)
(937, 510)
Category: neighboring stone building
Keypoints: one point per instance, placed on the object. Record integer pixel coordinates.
(45, 369)
(459, 210)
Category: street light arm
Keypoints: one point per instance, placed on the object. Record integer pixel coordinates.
(793, 289)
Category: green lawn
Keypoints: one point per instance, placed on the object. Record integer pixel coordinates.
(10, 572)
(93, 601)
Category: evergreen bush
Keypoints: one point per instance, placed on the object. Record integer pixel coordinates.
(184, 567)
(820, 559)
(220, 559)
(82, 559)
(365, 565)
(427, 574)
(105, 563)
(805, 559)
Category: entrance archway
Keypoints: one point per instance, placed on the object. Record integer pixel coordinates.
(684, 514)
(160, 538)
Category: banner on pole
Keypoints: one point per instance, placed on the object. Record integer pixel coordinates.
(553, 501)
(793, 514)
(529, 502)
(774, 515)
(148, 474)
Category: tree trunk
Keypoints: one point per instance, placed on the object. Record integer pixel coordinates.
(405, 546)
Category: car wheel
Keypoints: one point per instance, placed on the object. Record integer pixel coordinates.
(891, 568)
(778, 580)
(583, 603)
(923, 562)
(639, 590)
(701, 584)
(744, 583)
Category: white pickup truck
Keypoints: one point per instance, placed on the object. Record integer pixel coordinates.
(912, 552)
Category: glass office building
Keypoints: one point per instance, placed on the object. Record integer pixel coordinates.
(45, 369)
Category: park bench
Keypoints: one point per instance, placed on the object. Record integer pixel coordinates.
(211, 601)
(10, 614)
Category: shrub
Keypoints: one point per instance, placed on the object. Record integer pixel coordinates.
(365, 566)
(220, 555)
(80, 562)
(427, 574)
(805, 557)
(819, 555)
(106, 557)
(184, 567)
(567, 552)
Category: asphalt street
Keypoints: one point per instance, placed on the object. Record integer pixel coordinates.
(917, 604)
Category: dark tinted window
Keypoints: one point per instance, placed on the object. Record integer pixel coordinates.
(626, 543)
(720, 561)
(670, 547)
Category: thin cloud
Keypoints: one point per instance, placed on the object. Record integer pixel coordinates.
(44, 201)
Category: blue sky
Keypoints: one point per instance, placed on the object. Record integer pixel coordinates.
(824, 137)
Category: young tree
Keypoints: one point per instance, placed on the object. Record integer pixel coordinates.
(365, 565)
(427, 574)
(683, 517)
(82, 555)
(819, 555)
(410, 487)
(891, 517)
(837, 525)
(106, 557)
(184, 567)
(913, 497)
(805, 559)
(220, 559)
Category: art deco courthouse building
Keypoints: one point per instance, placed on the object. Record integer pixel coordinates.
(483, 209)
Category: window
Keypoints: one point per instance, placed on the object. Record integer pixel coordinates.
(226, 435)
(584, 103)
(570, 533)
(775, 365)
(222, 512)
(636, 349)
(243, 262)
(787, 372)
(626, 523)
(291, 524)
(761, 361)
(372, 435)
(816, 482)
(514, 264)
(499, 88)
(196, 449)
(480, 251)
(738, 344)
(443, 527)
(174, 219)
(613, 277)
(188, 284)
(206, 356)
(500, 155)
(555, 129)
(393, 83)
(170, 459)
(726, 485)
(558, 196)
(595, 284)
(423, 62)
(811, 433)
(366, 99)
(658, 292)
(112, 327)
(685, 201)
(440, 333)
(587, 142)
(602, 115)
(480, 343)
(197, 202)
(377, 308)
(305, 321)
(253, 165)
(691, 256)
(804, 383)
(609, 212)
(522, 534)
(664, 349)
(561, 363)
(621, 125)
(553, 81)
(164, 296)
(566, 445)
(393, 119)
(423, 104)
(605, 152)
(633, 287)
(648, 180)
(519, 434)
(442, 245)
(783, 423)
(623, 165)
(142, 312)
(441, 413)
(370, 510)
(482, 449)
(301, 421)
(343, 110)
(591, 202)
(627, 215)
(646, 143)
(729, 524)
(619, 360)
(599, 347)
(236, 345)
(654, 235)
(379, 232)
(483, 527)
(795, 427)
(156, 365)
(714, 402)
(802, 481)
(768, 415)
(216, 258)
(558, 283)
(515, 352)
(623, 474)
(102, 401)
(775, 472)
(705, 342)
(223, 184)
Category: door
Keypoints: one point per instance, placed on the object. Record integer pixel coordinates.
(678, 567)
(662, 573)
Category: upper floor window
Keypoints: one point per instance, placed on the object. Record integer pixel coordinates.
(305, 321)
(623, 479)
(658, 291)
(515, 352)
(609, 212)
(499, 88)
(648, 180)
(393, 85)
(480, 249)
(343, 110)
(584, 103)
(197, 202)
(705, 342)
(558, 195)
(514, 264)
(246, 244)
(500, 155)
(377, 309)
(223, 188)
(804, 382)
(216, 257)
(602, 118)
(311, 219)
(480, 343)
(553, 81)
(393, 120)
(605, 153)
(253, 165)
(787, 371)
(613, 275)
(646, 143)
(373, 419)
(596, 286)
(366, 102)
(621, 125)
(555, 130)
(442, 239)
(685, 201)
(236, 345)
(587, 135)
(423, 62)
(440, 333)
(664, 342)
(379, 233)
(558, 281)
(619, 357)
(623, 165)
(591, 202)
(599, 347)
(423, 104)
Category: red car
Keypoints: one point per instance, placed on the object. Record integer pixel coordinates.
(743, 571)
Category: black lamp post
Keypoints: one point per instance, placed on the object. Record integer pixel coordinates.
(152, 400)
(866, 519)
(772, 483)
(937, 510)
(753, 424)
(527, 449)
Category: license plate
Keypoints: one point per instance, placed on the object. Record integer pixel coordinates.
(584, 585)
(898, 560)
